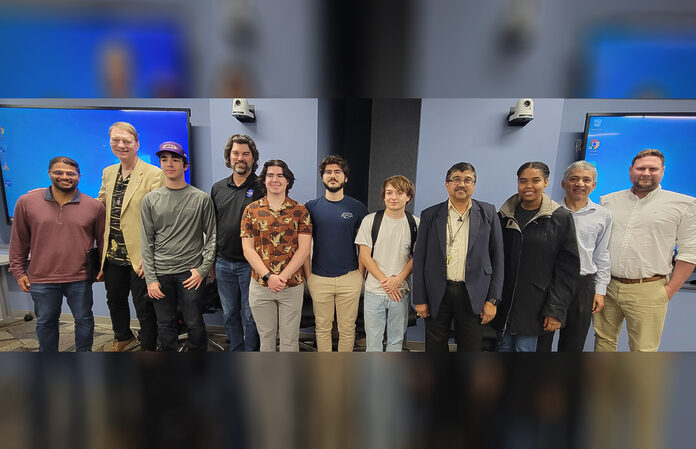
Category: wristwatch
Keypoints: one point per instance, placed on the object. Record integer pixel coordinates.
(494, 301)
(267, 276)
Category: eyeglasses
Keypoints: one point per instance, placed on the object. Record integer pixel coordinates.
(458, 180)
(279, 176)
(334, 172)
(69, 174)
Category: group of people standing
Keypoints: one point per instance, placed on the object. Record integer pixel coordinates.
(538, 266)
(154, 234)
(531, 268)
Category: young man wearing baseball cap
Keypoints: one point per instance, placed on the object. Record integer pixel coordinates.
(179, 220)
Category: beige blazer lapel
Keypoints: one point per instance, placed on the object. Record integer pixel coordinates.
(110, 178)
(133, 184)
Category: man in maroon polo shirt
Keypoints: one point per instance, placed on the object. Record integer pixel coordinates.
(58, 225)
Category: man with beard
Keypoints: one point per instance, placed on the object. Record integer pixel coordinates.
(336, 277)
(648, 223)
(58, 225)
(231, 196)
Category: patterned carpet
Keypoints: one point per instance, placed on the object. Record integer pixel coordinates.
(20, 336)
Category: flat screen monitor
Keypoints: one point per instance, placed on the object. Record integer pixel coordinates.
(30, 136)
(612, 140)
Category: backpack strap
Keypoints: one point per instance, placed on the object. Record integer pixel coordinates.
(375, 229)
(378, 222)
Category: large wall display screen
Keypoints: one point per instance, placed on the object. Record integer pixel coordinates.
(31, 136)
(612, 140)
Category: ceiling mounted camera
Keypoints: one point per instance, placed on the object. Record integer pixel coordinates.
(243, 111)
(522, 113)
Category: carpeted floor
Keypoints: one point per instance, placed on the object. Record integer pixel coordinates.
(20, 336)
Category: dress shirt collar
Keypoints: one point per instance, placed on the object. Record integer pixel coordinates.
(634, 197)
(450, 207)
(589, 207)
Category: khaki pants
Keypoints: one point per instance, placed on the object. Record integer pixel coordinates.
(277, 313)
(644, 306)
(343, 294)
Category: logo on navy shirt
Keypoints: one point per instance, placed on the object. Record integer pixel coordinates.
(250, 192)
(346, 215)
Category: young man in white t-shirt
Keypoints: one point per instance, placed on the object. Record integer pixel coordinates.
(388, 260)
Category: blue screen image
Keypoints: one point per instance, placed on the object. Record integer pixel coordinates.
(91, 56)
(625, 61)
(611, 142)
(30, 137)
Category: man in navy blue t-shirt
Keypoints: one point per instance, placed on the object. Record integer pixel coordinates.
(336, 278)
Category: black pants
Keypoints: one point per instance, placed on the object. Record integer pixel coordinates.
(572, 336)
(119, 281)
(467, 325)
(188, 302)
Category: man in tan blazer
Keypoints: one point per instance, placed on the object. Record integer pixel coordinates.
(123, 187)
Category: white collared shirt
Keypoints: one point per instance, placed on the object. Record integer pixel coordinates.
(456, 263)
(593, 228)
(646, 230)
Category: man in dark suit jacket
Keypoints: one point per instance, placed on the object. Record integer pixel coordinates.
(458, 265)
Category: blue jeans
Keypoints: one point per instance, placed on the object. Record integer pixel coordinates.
(48, 299)
(516, 343)
(188, 302)
(380, 311)
(233, 286)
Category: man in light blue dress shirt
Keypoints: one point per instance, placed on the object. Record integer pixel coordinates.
(593, 226)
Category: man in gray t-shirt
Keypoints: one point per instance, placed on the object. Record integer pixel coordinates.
(178, 249)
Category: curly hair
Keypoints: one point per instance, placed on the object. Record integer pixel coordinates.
(242, 139)
(334, 159)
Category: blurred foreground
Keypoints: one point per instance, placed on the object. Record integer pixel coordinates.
(314, 48)
(311, 401)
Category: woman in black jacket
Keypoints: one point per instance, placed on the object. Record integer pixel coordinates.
(541, 262)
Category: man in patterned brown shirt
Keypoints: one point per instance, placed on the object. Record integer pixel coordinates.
(276, 235)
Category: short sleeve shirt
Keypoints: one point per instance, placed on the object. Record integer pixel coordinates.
(275, 234)
(392, 249)
(335, 224)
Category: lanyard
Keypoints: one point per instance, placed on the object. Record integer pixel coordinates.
(452, 235)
